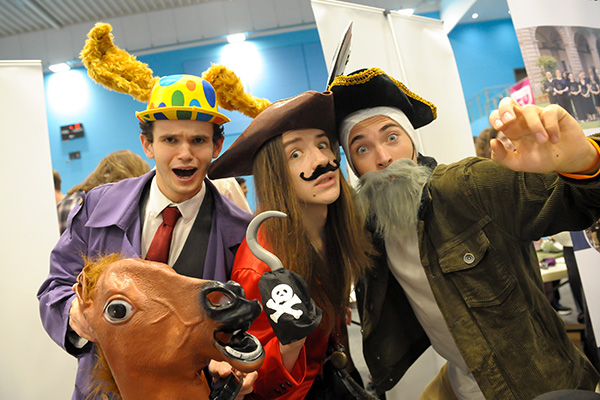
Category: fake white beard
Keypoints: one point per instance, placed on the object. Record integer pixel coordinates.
(393, 196)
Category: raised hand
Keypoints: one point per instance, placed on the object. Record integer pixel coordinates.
(545, 140)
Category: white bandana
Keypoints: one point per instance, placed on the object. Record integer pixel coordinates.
(358, 116)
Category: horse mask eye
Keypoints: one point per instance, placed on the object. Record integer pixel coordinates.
(117, 311)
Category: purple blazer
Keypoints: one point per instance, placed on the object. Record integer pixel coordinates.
(107, 220)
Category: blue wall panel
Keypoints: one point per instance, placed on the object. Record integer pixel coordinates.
(486, 53)
(108, 119)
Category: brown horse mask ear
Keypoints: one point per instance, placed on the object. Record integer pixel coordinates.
(78, 310)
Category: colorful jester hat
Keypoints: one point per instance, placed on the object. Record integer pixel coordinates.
(173, 97)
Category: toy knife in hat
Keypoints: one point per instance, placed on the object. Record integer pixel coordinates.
(341, 55)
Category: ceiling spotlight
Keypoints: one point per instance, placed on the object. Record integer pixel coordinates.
(60, 67)
(236, 37)
(406, 11)
(475, 16)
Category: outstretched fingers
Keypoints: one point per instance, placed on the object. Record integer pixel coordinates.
(505, 114)
(550, 117)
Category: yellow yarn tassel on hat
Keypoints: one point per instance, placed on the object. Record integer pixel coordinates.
(230, 92)
(118, 70)
(113, 67)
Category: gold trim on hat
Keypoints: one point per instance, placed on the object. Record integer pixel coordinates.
(367, 75)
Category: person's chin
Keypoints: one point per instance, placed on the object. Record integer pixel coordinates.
(188, 189)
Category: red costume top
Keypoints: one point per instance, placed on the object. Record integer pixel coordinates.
(274, 380)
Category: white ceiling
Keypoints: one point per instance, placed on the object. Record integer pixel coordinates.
(54, 30)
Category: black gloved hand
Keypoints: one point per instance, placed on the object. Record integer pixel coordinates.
(291, 311)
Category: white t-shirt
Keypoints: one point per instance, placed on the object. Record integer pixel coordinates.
(405, 264)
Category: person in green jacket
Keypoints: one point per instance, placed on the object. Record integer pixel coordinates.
(456, 268)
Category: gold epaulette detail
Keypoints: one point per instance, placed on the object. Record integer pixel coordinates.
(367, 75)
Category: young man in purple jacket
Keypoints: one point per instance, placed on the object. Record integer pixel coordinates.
(123, 217)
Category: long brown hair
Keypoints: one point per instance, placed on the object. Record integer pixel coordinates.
(347, 247)
(113, 168)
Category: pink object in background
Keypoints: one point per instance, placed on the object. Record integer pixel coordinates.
(522, 92)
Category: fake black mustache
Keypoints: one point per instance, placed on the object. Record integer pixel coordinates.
(320, 170)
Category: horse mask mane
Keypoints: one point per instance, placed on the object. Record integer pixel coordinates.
(156, 330)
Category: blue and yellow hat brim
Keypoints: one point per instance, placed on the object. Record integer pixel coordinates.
(181, 113)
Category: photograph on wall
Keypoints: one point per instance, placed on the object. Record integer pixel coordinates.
(561, 54)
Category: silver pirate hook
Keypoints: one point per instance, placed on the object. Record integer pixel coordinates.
(259, 252)
(291, 311)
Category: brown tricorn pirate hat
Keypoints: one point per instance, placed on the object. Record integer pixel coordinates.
(308, 110)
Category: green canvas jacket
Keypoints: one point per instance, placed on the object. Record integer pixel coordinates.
(477, 224)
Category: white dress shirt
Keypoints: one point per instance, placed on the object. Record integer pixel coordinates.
(157, 202)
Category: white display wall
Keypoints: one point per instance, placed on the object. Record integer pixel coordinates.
(32, 365)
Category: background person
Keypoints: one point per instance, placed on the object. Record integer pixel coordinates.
(595, 92)
(242, 183)
(230, 188)
(58, 194)
(561, 91)
(482, 143)
(587, 100)
(114, 167)
(577, 99)
(548, 88)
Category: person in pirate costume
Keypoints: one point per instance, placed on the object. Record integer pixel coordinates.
(182, 131)
(456, 268)
(291, 151)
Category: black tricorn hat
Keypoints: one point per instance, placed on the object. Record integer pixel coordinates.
(307, 110)
(368, 88)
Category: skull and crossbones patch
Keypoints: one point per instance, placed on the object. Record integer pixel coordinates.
(281, 301)
(290, 310)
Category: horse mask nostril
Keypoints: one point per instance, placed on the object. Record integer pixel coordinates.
(216, 299)
(226, 303)
(219, 299)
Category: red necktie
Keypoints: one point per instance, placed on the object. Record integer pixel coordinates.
(161, 243)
